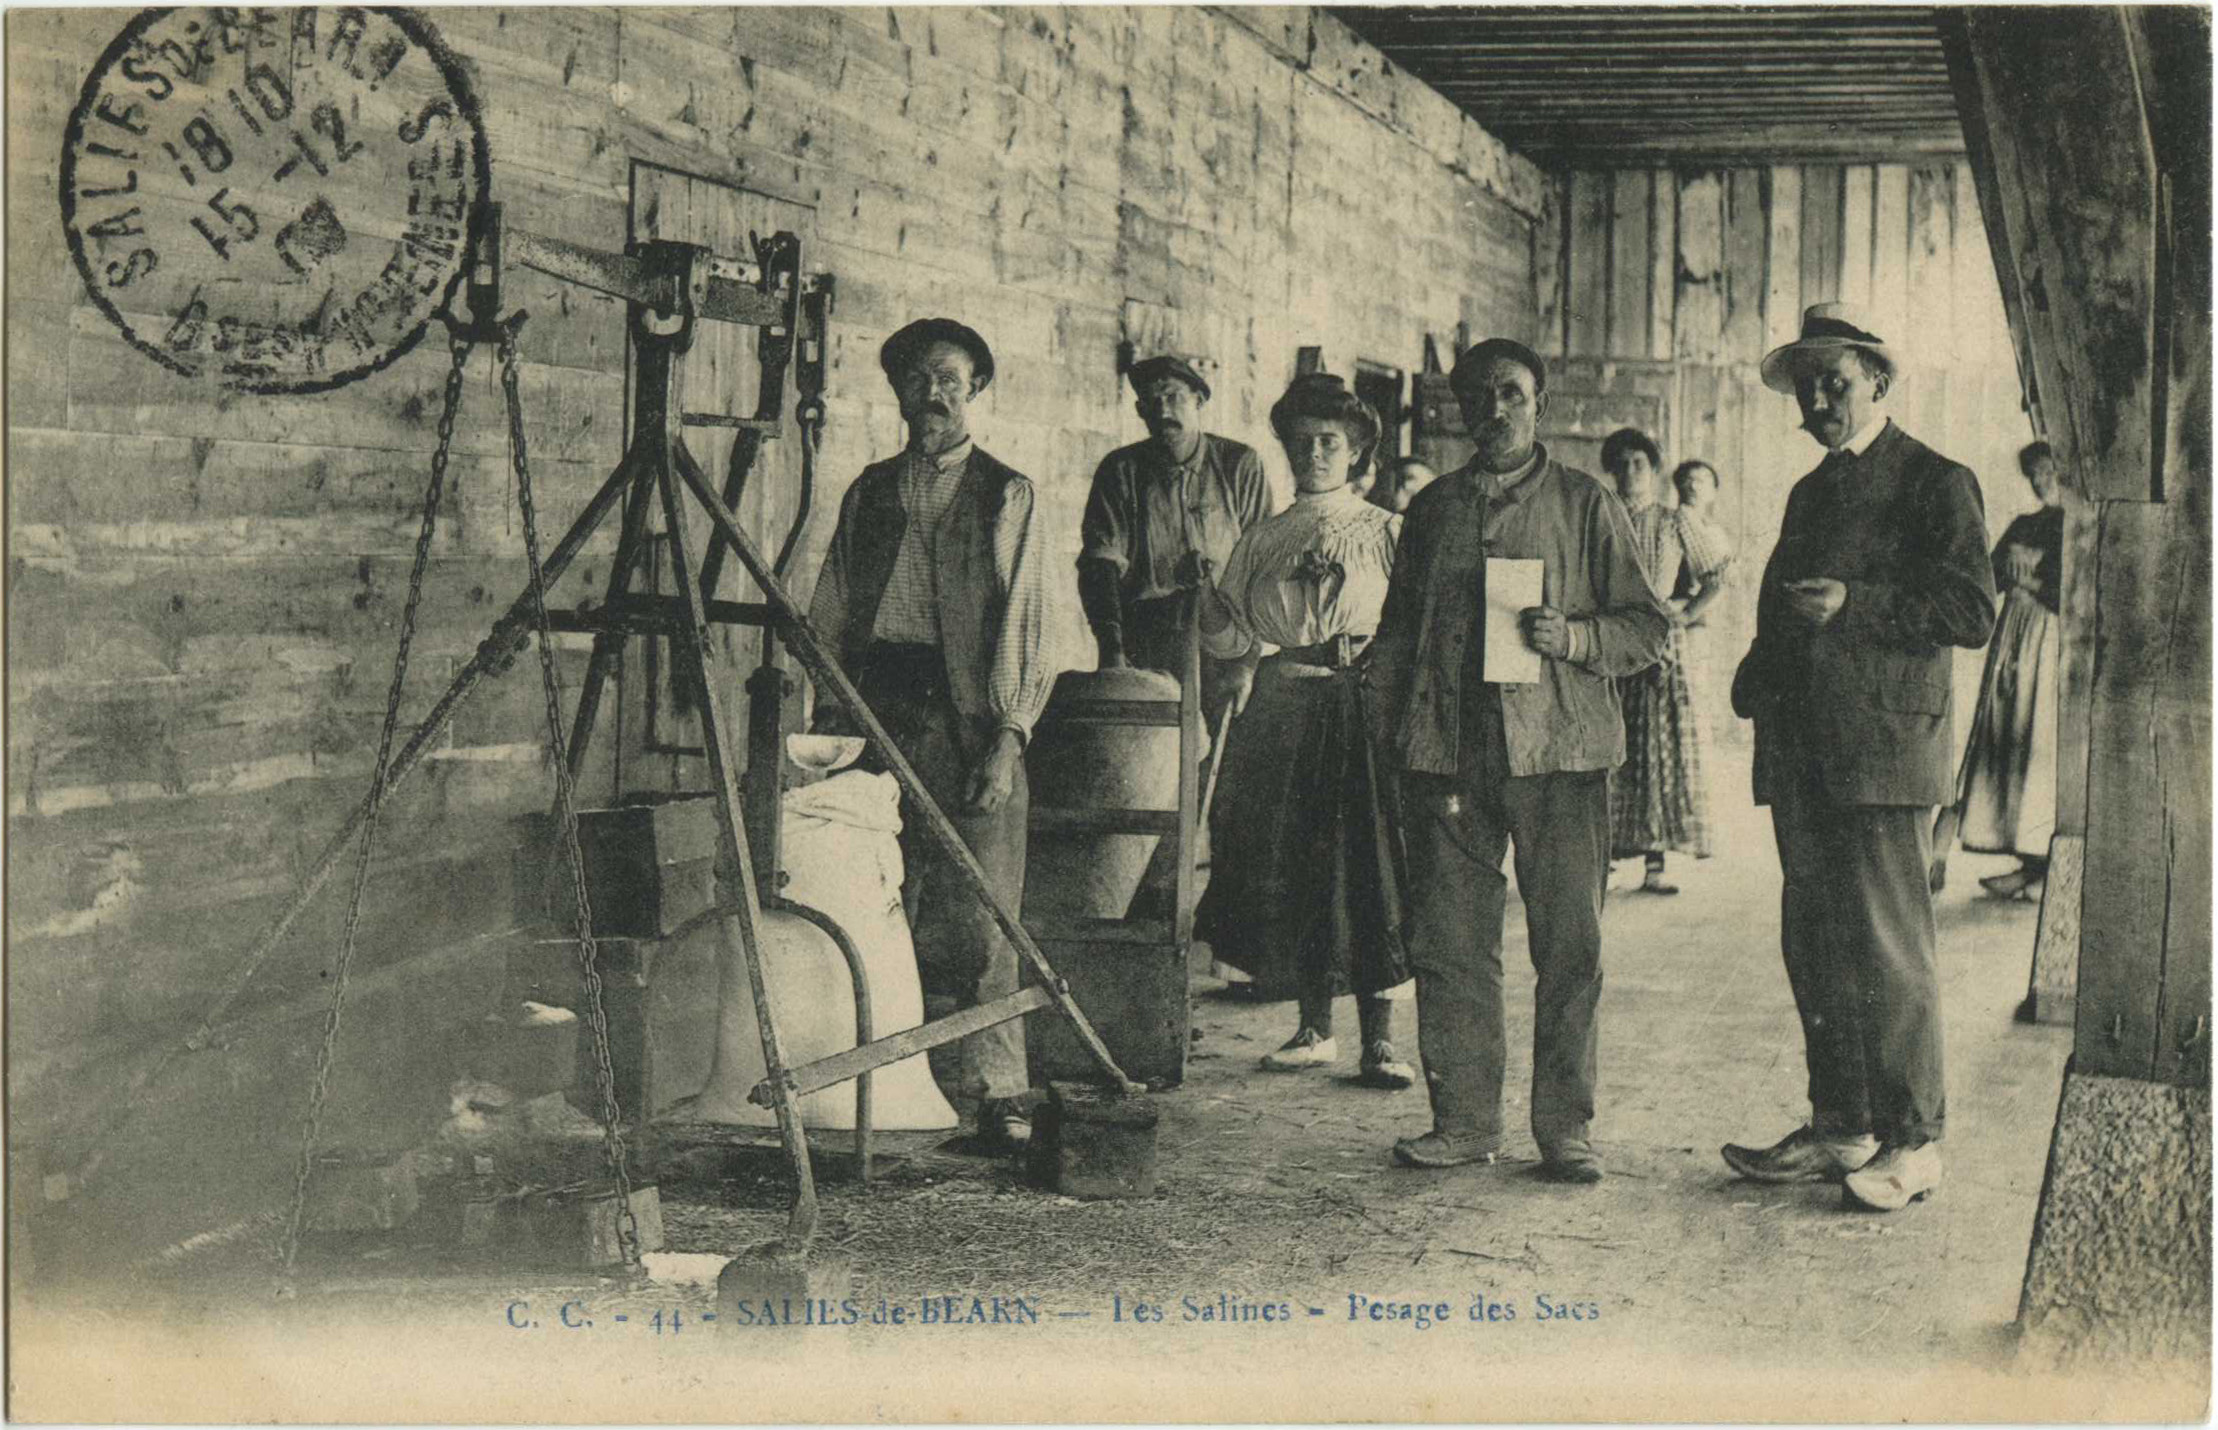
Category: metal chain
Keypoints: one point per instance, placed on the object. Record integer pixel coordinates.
(434, 494)
(566, 812)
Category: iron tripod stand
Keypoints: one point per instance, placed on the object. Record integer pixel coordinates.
(659, 467)
(668, 288)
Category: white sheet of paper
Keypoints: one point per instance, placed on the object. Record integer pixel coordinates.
(1512, 584)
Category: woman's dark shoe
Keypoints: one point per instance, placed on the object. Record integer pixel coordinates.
(1381, 1068)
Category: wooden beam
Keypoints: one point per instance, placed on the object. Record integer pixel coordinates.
(843, 1067)
(1663, 262)
(1821, 233)
(1890, 253)
(1630, 198)
(1783, 257)
(1588, 319)
(1701, 301)
(2145, 923)
(1551, 237)
(2077, 188)
(1856, 209)
(1745, 231)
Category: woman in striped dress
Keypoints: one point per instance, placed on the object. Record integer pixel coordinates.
(1658, 803)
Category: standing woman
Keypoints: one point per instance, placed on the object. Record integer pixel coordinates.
(2006, 788)
(1697, 483)
(1304, 885)
(1658, 802)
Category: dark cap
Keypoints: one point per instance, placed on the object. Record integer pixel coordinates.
(1166, 365)
(1478, 355)
(902, 347)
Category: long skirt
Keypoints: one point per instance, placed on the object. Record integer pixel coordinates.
(2006, 786)
(1658, 801)
(1305, 874)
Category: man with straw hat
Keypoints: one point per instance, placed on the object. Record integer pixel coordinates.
(1880, 568)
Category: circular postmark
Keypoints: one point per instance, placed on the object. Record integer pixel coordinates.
(276, 198)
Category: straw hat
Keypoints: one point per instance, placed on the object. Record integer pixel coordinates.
(1826, 328)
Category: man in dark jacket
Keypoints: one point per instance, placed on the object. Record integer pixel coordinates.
(1487, 765)
(934, 596)
(1881, 567)
(1159, 510)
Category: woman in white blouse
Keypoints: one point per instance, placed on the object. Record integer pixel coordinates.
(1304, 886)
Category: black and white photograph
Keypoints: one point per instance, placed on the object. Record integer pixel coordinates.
(1108, 714)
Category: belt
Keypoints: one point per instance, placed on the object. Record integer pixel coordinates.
(1335, 654)
(920, 668)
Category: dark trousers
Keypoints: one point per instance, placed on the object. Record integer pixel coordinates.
(1856, 926)
(1457, 829)
(960, 949)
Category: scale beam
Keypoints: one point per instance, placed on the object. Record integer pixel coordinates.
(730, 292)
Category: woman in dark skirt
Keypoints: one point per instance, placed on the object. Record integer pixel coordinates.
(1304, 883)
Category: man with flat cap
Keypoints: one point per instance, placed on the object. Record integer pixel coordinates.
(1160, 509)
(933, 596)
(1488, 765)
(1881, 567)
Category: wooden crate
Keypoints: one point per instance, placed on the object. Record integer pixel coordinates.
(650, 866)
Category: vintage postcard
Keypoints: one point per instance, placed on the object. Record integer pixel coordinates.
(835, 714)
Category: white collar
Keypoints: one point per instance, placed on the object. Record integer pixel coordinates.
(1856, 445)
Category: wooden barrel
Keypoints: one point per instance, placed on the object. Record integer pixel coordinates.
(1079, 761)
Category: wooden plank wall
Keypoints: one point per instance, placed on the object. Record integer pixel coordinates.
(1709, 269)
(204, 588)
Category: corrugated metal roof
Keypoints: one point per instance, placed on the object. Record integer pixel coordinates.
(1615, 85)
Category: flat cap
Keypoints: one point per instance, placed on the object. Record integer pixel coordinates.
(1167, 365)
(1478, 355)
(902, 347)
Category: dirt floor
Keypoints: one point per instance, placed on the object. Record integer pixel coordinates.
(1277, 1194)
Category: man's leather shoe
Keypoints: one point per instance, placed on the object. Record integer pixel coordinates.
(1801, 1156)
(1006, 1125)
(1436, 1149)
(1571, 1160)
(1895, 1178)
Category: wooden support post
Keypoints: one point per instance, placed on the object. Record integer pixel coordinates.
(2090, 139)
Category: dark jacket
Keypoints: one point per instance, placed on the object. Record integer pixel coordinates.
(1427, 650)
(1868, 696)
(1141, 518)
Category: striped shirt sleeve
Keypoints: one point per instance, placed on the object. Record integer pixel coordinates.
(1019, 679)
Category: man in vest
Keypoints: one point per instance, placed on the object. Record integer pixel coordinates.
(1160, 509)
(1881, 566)
(932, 595)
